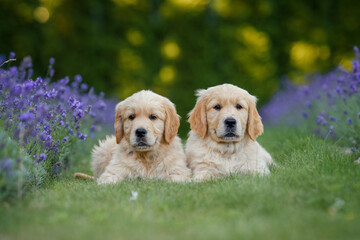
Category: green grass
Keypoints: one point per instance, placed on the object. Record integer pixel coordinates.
(302, 199)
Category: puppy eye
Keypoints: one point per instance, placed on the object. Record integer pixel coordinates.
(132, 117)
(153, 117)
(217, 107)
(238, 106)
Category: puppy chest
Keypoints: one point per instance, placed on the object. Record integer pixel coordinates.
(229, 164)
(146, 169)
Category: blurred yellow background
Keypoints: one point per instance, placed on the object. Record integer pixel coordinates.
(174, 47)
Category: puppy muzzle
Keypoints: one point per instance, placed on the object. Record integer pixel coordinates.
(230, 133)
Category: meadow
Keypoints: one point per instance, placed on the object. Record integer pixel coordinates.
(48, 128)
(312, 193)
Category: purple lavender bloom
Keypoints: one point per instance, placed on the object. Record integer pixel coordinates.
(40, 108)
(49, 116)
(39, 82)
(26, 117)
(353, 87)
(338, 90)
(340, 80)
(51, 72)
(78, 78)
(332, 118)
(45, 136)
(84, 87)
(13, 71)
(58, 164)
(26, 63)
(305, 115)
(12, 55)
(82, 136)
(64, 81)
(28, 86)
(6, 164)
(42, 157)
(359, 115)
(356, 66)
(50, 94)
(349, 121)
(52, 61)
(78, 114)
(356, 50)
(74, 104)
(319, 120)
(331, 130)
(47, 127)
(16, 91)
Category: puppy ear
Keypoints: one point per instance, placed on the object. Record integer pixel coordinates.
(172, 122)
(197, 117)
(119, 132)
(254, 125)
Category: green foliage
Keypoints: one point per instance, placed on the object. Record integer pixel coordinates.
(15, 168)
(175, 47)
(312, 193)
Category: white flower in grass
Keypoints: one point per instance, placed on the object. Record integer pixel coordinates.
(357, 161)
(134, 196)
(337, 206)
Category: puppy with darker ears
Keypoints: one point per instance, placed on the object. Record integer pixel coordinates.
(224, 126)
(145, 144)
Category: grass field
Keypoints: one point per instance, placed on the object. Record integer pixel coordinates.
(313, 193)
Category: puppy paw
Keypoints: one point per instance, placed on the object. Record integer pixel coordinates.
(264, 172)
(107, 180)
(201, 177)
(179, 178)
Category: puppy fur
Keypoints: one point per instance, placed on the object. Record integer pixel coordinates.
(224, 126)
(145, 144)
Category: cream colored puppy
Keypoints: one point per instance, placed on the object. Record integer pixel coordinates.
(224, 126)
(145, 144)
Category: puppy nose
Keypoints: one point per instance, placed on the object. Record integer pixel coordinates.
(230, 122)
(140, 132)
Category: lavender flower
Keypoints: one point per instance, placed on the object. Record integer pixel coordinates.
(333, 96)
(12, 55)
(46, 113)
(6, 164)
(42, 157)
(26, 116)
(82, 136)
(332, 118)
(52, 61)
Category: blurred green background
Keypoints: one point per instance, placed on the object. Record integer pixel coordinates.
(174, 47)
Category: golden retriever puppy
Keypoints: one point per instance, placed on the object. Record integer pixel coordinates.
(224, 126)
(145, 144)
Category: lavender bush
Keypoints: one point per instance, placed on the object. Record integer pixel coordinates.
(329, 105)
(16, 169)
(45, 118)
